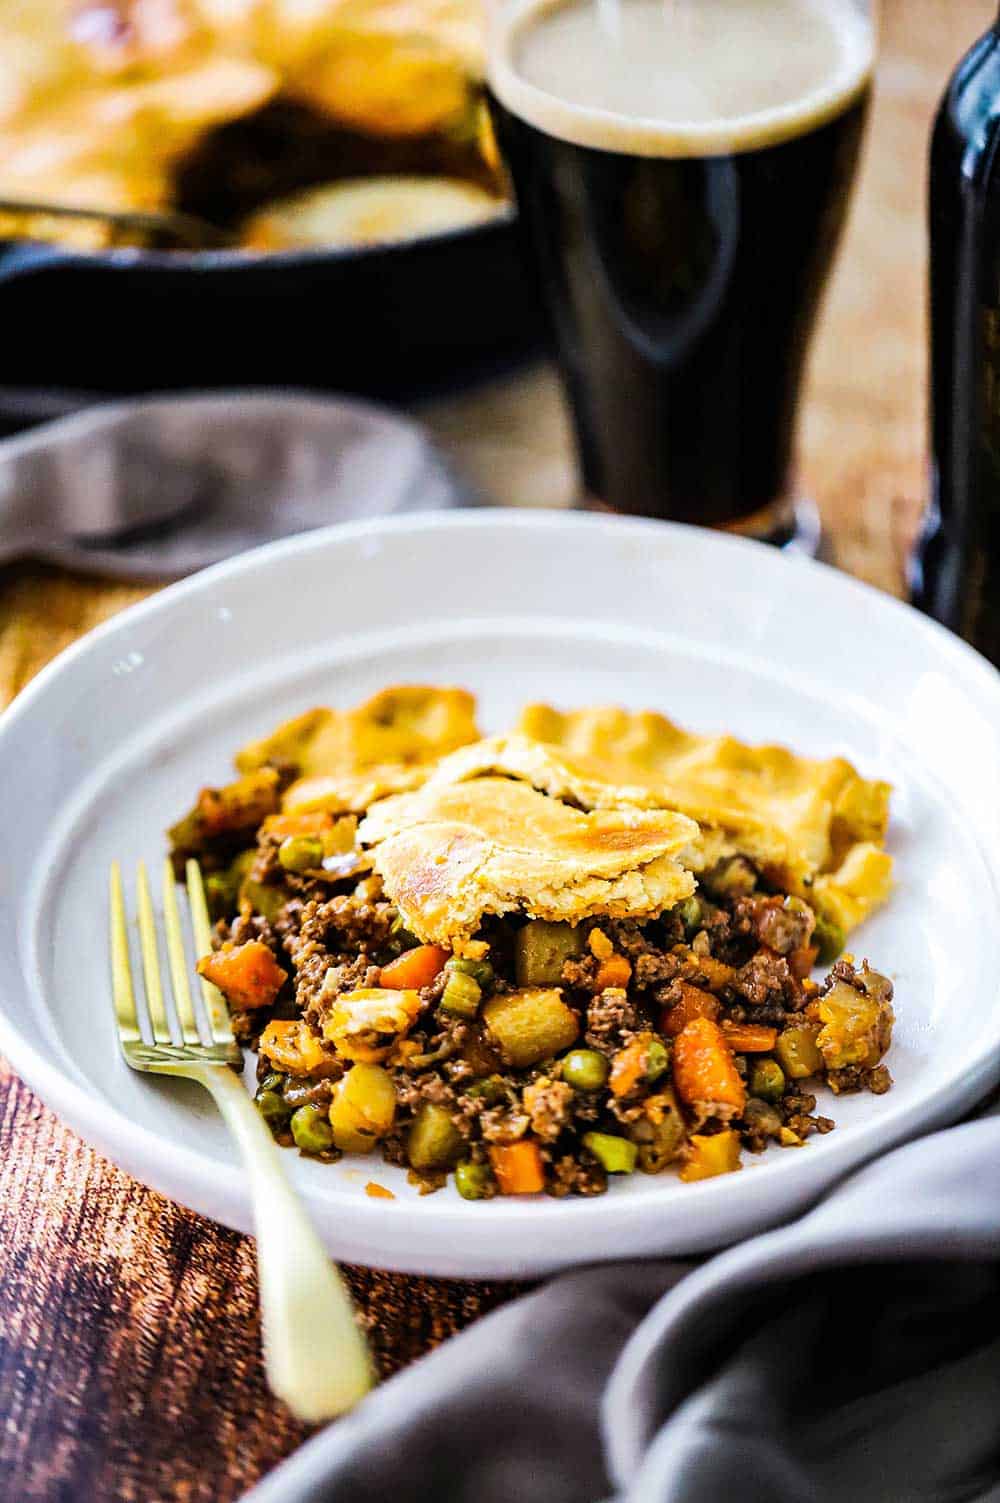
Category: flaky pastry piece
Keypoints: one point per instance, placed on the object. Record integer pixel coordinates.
(814, 827)
(346, 759)
(451, 853)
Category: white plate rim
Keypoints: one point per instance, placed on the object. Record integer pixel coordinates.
(211, 1184)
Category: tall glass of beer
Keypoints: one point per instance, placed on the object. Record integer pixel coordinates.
(682, 170)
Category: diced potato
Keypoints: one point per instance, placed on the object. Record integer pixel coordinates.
(541, 949)
(659, 1133)
(292, 1046)
(530, 1025)
(363, 1108)
(857, 1027)
(366, 1024)
(709, 1156)
(434, 1142)
(797, 1053)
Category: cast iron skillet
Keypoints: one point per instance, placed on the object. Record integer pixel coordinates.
(383, 320)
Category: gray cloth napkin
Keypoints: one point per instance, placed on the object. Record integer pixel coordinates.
(850, 1357)
(156, 487)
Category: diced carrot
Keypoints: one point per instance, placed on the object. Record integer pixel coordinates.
(518, 1167)
(284, 826)
(705, 1073)
(377, 1191)
(248, 976)
(615, 971)
(718, 1153)
(291, 1045)
(801, 961)
(628, 1067)
(413, 969)
(750, 1038)
(692, 1003)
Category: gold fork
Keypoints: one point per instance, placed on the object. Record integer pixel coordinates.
(316, 1358)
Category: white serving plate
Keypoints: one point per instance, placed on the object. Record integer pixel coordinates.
(109, 743)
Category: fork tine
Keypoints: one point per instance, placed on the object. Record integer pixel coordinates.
(158, 1020)
(122, 990)
(215, 1006)
(178, 961)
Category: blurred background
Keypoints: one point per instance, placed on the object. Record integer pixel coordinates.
(442, 325)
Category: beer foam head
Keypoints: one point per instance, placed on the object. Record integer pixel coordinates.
(679, 78)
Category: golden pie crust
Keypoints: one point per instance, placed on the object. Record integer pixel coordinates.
(347, 759)
(451, 853)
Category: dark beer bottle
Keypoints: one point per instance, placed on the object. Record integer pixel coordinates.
(956, 571)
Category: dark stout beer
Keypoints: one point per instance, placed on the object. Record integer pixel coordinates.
(682, 170)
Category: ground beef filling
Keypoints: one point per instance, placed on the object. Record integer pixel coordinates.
(674, 1045)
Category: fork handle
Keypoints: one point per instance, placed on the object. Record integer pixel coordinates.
(317, 1360)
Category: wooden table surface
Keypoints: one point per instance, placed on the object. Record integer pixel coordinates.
(129, 1341)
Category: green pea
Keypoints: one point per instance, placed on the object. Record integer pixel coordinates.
(616, 1155)
(767, 1080)
(585, 1069)
(311, 1129)
(829, 936)
(273, 1108)
(479, 970)
(272, 1082)
(657, 1060)
(691, 914)
(301, 853)
(472, 1181)
(462, 995)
